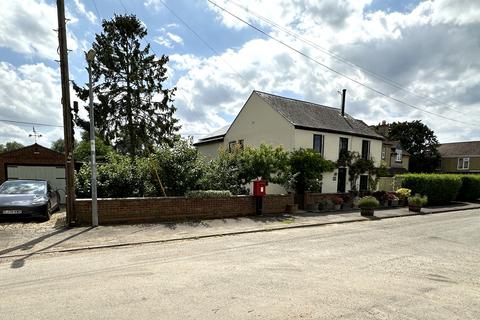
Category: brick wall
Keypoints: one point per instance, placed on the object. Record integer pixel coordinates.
(170, 209)
(311, 198)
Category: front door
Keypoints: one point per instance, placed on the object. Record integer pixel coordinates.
(363, 183)
(342, 179)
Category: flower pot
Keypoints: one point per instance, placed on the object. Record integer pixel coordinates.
(367, 212)
(414, 208)
(337, 206)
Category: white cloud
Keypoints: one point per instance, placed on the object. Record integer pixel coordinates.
(163, 41)
(88, 14)
(429, 50)
(29, 93)
(168, 39)
(27, 27)
(175, 37)
(154, 4)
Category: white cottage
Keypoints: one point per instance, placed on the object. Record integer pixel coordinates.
(294, 124)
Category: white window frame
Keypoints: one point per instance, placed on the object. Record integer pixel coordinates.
(384, 153)
(398, 155)
(461, 163)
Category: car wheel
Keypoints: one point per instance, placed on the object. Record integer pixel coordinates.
(48, 213)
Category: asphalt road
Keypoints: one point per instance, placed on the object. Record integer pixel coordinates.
(423, 267)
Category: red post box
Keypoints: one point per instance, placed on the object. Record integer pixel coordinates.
(259, 188)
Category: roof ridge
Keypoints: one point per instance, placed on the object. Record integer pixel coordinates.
(299, 100)
(459, 142)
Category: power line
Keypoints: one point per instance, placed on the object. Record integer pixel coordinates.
(31, 123)
(335, 71)
(204, 42)
(123, 5)
(332, 54)
(96, 9)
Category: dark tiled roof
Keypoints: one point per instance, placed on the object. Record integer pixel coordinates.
(395, 144)
(307, 115)
(468, 148)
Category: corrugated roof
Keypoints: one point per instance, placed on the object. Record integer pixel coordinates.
(467, 148)
(308, 115)
(215, 135)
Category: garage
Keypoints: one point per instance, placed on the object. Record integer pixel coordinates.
(34, 162)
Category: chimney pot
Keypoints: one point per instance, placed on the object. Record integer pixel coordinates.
(344, 92)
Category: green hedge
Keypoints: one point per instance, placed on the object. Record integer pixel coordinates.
(439, 188)
(208, 194)
(470, 190)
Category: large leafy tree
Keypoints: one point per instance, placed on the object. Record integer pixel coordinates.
(133, 110)
(418, 140)
(82, 149)
(10, 146)
(59, 145)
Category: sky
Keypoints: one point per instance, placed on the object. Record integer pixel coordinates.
(398, 60)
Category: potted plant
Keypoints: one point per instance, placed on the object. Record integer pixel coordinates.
(324, 204)
(416, 202)
(392, 199)
(381, 196)
(337, 202)
(403, 194)
(367, 205)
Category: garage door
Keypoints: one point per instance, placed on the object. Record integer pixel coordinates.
(56, 176)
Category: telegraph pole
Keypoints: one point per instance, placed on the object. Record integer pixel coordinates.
(67, 116)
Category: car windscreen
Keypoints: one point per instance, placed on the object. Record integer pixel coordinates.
(23, 187)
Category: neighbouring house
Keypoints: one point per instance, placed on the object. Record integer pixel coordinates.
(460, 157)
(394, 157)
(294, 124)
(34, 162)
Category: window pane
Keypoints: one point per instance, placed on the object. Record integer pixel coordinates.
(343, 148)
(365, 149)
(317, 143)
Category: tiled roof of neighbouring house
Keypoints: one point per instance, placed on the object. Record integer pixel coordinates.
(468, 148)
(308, 115)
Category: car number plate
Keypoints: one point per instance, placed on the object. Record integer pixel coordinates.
(12, 211)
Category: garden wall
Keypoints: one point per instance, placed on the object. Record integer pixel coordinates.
(312, 198)
(171, 209)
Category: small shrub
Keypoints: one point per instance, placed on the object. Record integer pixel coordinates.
(403, 193)
(417, 200)
(368, 202)
(379, 195)
(439, 188)
(208, 194)
(325, 204)
(470, 190)
(337, 200)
